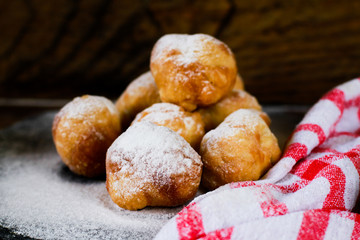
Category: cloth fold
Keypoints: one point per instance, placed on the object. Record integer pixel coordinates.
(308, 194)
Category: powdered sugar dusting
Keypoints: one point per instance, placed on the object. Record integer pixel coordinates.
(84, 111)
(246, 119)
(154, 151)
(213, 136)
(41, 198)
(144, 81)
(189, 46)
(189, 125)
(162, 112)
(84, 106)
(109, 105)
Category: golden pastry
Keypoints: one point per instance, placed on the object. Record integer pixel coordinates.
(151, 165)
(242, 148)
(189, 125)
(192, 70)
(82, 132)
(239, 83)
(213, 115)
(140, 94)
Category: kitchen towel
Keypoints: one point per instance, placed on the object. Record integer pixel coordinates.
(308, 194)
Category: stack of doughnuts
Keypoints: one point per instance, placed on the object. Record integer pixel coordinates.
(187, 122)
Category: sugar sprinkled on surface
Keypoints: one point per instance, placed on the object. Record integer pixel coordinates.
(158, 151)
(144, 81)
(190, 46)
(245, 120)
(187, 124)
(161, 113)
(87, 104)
(41, 198)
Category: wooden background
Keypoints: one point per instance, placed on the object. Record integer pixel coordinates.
(288, 52)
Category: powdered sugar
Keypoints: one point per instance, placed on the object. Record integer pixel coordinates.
(87, 105)
(144, 81)
(82, 111)
(190, 47)
(245, 120)
(188, 125)
(163, 112)
(242, 118)
(41, 198)
(159, 152)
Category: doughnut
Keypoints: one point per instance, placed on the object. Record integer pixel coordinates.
(236, 99)
(192, 70)
(82, 132)
(189, 125)
(242, 148)
(141, 93)
(151, 165)
(239, 83)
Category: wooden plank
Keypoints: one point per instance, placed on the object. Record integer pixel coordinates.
(287, 51)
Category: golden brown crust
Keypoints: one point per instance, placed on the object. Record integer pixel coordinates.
(239, 83)
(140, 94)
(237, 99)
(242, 148)
(150, 165)
(192, 70)
(189, 125)
(82, 132)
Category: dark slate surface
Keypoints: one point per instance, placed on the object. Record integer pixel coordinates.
(23, 142)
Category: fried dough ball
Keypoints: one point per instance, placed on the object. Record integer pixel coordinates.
(236, 99)
(242, 148)
(239, 83)
(140, 94)
(192, 70)
(82, 132)
(189, 125)
(151, 165)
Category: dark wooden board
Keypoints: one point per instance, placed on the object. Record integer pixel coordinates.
(288, 52)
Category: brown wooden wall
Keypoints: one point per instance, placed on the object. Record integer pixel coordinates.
(287, 51)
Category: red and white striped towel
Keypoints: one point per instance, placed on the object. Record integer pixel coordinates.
(308, 194)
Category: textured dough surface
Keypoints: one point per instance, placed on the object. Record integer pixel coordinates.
(239, 83)
(141, 93)
(236, 99)
(82, 132)
(151, 165)
(189, 125)
(192, 70)
(242, 148)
